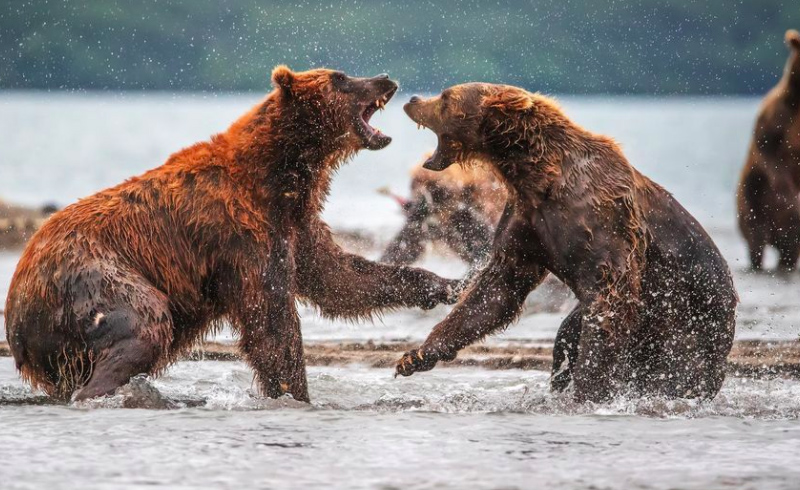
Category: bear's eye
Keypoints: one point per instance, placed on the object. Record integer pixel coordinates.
(338, 78)
(444, 101)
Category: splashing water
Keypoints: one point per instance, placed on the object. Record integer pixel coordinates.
(482, 429)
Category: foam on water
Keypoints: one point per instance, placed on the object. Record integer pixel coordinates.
(229, 386)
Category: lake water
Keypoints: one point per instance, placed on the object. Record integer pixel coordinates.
(449, 428)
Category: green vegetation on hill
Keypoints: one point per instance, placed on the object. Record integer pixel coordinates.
(556, 46)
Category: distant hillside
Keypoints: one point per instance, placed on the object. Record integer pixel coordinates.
(556, 46)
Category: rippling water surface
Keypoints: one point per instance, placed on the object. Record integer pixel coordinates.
(451, 428)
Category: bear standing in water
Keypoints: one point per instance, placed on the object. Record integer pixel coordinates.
(656, 299)
(126, 280)
(769, 190)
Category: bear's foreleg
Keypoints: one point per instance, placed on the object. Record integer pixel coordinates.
(493, 301)
(345, 285)
(273, 346)
(755, 217)
(265, 313)
(409, 243)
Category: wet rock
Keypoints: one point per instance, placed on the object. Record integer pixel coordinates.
(140, 393)
(18, 223)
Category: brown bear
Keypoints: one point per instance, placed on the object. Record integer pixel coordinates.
(458, 206)
(126, 280)
(769, 189)
(656, 299)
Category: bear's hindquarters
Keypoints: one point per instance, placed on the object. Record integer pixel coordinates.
(116, 327)
(684, 356)
(125, 343)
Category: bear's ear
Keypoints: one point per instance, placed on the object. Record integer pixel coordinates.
(793, 39)
(283, 78)
(508, 100)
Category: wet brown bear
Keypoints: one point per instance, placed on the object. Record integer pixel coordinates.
(769, 190)
(124, 281)
(656, 299)
(458, 206)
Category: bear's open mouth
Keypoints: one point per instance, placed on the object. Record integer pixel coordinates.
(372, 137)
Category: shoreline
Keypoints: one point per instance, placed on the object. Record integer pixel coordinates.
(748, 358)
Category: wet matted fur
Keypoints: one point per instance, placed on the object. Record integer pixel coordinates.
(656, 299)
(124, 281)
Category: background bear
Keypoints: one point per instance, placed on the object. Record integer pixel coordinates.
(656, 299)
(459, 207)
(769, 190)
(124, 281)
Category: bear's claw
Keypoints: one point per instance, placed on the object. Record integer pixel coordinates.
(445, 291)
(414, 361)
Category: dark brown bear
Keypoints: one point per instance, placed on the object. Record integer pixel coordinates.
(769, 190)
(656, 299)
(126, 280)
(458, 206)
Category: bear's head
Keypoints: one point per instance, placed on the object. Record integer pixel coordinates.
(793, 39)
(339, 104)
(482, 122)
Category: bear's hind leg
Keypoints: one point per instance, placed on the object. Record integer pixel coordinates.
(124, 343)
(756, 255)
(565, 350)
(685, 357)
(789, 253)
(717, 343)
(754, 216)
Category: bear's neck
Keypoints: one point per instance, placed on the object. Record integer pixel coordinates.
(541, 171)
(285, 161)
(531, 163)
(528, 181)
